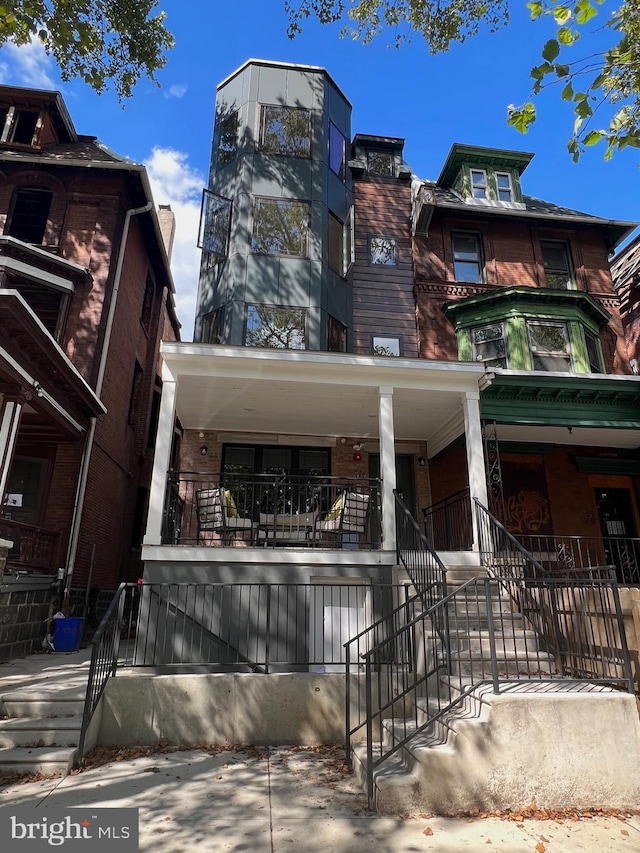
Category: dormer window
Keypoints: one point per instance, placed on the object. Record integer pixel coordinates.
(504, 186)
(19, 127)
(380, 163)
(479, 183)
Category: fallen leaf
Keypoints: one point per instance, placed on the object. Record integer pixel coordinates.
(540, 847)
(428, 831)
(623, 832)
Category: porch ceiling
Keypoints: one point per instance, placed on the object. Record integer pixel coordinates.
(232, 389)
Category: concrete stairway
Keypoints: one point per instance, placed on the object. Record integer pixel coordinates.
(39, 730)
(414, 777)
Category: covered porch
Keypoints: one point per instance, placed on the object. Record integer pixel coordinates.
(299, 453)
(563, 470)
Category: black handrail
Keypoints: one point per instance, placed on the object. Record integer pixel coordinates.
(105, 649)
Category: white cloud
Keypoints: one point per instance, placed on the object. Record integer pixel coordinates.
(175, 183)
(27, 65)
(175, 91)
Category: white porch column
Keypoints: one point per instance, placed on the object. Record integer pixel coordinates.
(387, 466)
(10, 414)
(475, 455)
(161, 460)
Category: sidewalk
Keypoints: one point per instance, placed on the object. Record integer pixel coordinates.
(289, 800)
(274, 800)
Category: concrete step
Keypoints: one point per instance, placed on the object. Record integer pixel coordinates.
(478, 641)
(35, 704)
(511, 664)
(36, 731)
(37, 760)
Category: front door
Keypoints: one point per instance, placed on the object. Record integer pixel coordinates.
(617, 523)
(405, 486)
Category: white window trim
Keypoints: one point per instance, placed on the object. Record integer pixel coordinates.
(568, 351)
(484, 185)
(510, 188)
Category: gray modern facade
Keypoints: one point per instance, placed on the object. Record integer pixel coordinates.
(277, 224)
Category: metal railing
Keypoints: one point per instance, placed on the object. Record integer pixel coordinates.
(118, 623)
(418, 556)
(562, 555)
(34, 548)
(500, 551)
(427, 669)
(254, 627)
(448, 523)
(279, 510)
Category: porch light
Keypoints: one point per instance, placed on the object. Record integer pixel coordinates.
(204, 450)
(422, 461)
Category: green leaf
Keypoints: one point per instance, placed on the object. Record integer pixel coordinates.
(562, 70)
(550, 50)
(567, 92)
(562, 14)
(585, 11)
(521, 118)
(593, 137)
(535, 9)
(566, 35)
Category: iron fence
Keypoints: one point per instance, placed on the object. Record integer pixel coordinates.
(448, 523)
(281, 510)
(562, 555)
(254, 627)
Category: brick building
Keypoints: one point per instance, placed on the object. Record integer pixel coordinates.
(86, 296)
(454, 338)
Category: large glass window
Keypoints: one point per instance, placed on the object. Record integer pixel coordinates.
(467, 256)
(280, 227)
(275, 328)
(549, 346)
(285, 130)
(337, 151)
(19, 126)
(228, 144)
(557, 264)
(336, 247)
(489, 345)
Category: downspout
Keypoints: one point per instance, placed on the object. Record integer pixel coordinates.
(88, 448)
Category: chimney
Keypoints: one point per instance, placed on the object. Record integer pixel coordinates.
(167, 221)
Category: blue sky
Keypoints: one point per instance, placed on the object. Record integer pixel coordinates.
(431, 101)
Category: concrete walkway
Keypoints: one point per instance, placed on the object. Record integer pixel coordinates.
(268, 800)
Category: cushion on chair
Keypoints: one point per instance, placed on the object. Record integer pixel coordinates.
(232, 511)
(334, 512)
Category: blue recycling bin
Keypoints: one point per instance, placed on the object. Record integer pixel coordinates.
(67, 633)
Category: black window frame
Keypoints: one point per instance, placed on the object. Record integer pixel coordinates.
(258, 204)
(336, 136)
(280, 150)
(336, 331)
(392, 258)
(551, 243)
(479, 262)
(25, 197)
(228, 148)
(257, 307)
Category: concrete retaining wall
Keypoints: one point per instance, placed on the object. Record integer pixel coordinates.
(301, 708)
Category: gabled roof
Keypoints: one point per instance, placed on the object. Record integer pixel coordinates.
(480, 156)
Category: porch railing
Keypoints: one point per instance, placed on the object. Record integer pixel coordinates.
(271, 510)
(562, 555)
(448, 523)
(34, 548)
